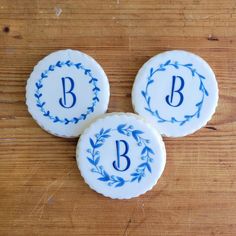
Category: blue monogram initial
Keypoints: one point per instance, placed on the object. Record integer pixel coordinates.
(117, 164)
(169, 98)
(63, 101)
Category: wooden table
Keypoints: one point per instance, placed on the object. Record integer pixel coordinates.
(41, 190)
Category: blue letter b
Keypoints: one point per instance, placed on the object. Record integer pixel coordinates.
(169, 98)
(63, 101)
(117, 165)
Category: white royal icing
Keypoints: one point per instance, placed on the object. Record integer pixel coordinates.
(121, 156)
(66, 91)
(177, 91)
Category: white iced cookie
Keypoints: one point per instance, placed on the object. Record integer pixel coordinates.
(177, 91)
(121, 156)
(66, 91)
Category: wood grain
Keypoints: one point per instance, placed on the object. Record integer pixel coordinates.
(41, 190)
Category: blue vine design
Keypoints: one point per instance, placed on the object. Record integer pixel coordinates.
(94, 155)
(198, 105)
(41, 104)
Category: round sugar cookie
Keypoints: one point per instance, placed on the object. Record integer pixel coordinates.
(66, 91)
(121, 156)
(176, 91)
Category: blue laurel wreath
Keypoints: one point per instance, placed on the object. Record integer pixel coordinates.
(94, 155)
(41, 104)
(198, 105)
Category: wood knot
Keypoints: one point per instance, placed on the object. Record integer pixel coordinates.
(212, 38)
(6, 29)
